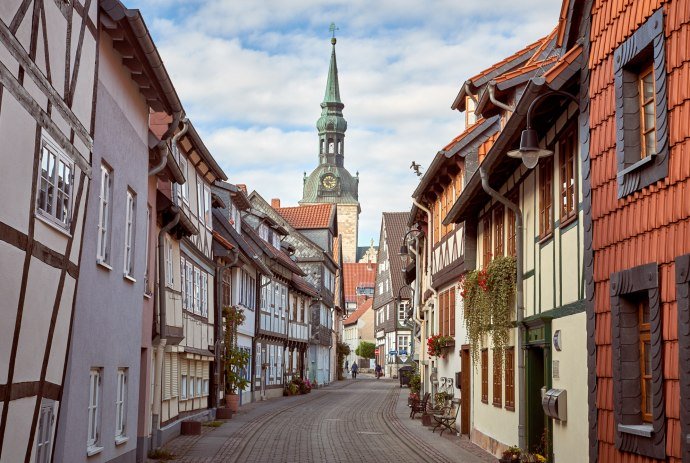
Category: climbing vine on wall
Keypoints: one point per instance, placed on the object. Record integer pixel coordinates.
(488, 295)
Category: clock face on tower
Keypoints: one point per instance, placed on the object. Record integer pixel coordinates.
(329, 182)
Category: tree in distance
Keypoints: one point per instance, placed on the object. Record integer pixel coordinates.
(365, 350)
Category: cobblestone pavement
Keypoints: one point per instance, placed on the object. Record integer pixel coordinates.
(361, 420)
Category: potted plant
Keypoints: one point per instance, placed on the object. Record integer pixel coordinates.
(235, 360)
(511, 455)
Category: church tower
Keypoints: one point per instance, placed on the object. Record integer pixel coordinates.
(330, 181)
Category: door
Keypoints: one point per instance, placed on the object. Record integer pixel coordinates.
(537, 435)
(465, 393)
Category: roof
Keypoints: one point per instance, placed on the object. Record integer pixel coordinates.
(308, 216)
(131, 37)
(249, 251)
(226, 243)
(395, 224)
(513, 61)
(301, 285)
(361, 310)
(274, 254)
(238, 195)
(204, 154)
(356, 275)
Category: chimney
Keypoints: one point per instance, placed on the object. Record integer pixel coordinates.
(275, 203)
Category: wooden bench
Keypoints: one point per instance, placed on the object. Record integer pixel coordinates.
(446, 419)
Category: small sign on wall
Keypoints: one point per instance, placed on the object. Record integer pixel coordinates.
(554, 368)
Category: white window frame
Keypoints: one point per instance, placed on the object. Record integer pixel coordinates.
(207, 206)
(183, 281)
(198, 386)
(402, 311)
(197, 290)
(121, 406)
(204, 294)
(183, 387)
(65, 165)
(184, 188)
(44, 434)
(169, 277)
(93, 431)
(190, 384)
(190, 285)
(130, 224)
(205, 391)
(102, 240)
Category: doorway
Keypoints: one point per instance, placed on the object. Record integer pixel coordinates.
(537, 432)
(465, 393)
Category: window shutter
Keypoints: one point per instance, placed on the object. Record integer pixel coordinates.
(166, 376)
(174, 375)
(205, 371)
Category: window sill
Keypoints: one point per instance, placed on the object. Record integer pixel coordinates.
(644, 430)
(637, 165)
(568, 220)
(53, 223)
(129, 278)
(497, 405)
(148, 295)
(119, 440)
(485, 401)
(510, 408)
(93, 450)
(543, 239)
(103, 264)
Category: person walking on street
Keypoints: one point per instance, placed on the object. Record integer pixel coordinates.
(354, 371)
(378, 371)
(347, 366)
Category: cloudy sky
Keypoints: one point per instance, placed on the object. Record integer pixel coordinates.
(251, 75)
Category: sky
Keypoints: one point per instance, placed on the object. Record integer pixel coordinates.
(251, 75)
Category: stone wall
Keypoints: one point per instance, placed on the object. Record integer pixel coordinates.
(348, 226)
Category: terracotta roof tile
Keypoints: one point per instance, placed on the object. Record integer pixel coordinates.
(308, 216)
(359, 274)
(545, 42)
(361, 310)
(226, 244)
(529, 48)
(463, 135)
(301, 285)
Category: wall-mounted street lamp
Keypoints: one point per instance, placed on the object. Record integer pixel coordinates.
(529, 150)
(403, 249)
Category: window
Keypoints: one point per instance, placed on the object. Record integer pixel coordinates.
(485, 376)
(55, 184)
(568, 149)
(645, 360)
(190, 383)
(204, 294)
(92, 437)
(637, 351)
(226, 299)
(169, 278)
(198, 386)
(446, 320)
(183, 387)
(509, 370)
(129, 233)
(102, 243)
(510, 226)
(545, 197)
(498, 227)
(44, 436)
(403, 307)
(486, 240)
(189, 283)
(183, 190)
(498, 384)
(121, 404)
(205, 391)
(470, 116)
(403, 344)
(197, 291)
(207, 207)
(642, 144)
(183, 282)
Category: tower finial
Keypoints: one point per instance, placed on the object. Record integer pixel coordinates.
(332, 30)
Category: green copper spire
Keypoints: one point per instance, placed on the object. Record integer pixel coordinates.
(332, 94)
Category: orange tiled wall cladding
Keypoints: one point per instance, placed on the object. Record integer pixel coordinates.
(652, 225)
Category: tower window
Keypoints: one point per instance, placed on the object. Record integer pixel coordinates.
(331, 146)
(321, 146)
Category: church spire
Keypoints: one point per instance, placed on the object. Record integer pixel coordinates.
(332, 125)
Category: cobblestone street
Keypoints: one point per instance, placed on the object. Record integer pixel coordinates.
(351, 421)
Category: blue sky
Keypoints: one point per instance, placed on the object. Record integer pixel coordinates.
(251, 75)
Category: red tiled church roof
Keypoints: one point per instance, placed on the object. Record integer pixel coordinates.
(308, 216)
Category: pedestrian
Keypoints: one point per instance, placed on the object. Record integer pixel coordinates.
(347, 365)
(354, 370)
(378, 371)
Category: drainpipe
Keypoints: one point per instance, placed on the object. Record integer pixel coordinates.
(162, 145)
(428, 250)
(519, 299)
(466, 88)
(219, 317)
(492, 98)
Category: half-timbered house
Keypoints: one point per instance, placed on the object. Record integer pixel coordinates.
(391, 304)
(528, 391)
(48, 55)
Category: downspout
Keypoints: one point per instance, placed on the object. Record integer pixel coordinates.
(164, 158)
(519, 299)
(466, 88)
(492, 98)
(219, 317)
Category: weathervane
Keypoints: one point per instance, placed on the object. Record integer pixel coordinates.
(332, 30)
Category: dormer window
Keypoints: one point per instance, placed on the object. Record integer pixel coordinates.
(470, 116)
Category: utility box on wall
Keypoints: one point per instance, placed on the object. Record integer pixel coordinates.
(554, 403)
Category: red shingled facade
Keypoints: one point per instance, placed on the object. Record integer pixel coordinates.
(651, 225)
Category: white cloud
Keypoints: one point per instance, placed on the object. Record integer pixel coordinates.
(252, 75)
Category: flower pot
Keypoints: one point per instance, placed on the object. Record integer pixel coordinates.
(232, 401)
